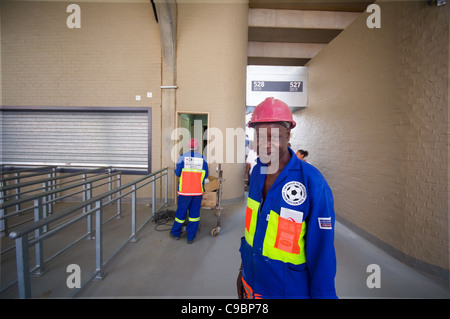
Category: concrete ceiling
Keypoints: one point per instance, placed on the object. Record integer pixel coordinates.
(291, 32)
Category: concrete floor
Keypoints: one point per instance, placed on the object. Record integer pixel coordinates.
(157, 266)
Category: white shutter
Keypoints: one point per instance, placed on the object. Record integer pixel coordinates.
(76, 137)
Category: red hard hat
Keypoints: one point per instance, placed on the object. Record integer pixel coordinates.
(272, 110)
(193, 143)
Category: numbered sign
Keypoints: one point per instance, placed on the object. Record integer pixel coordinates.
(286, 83)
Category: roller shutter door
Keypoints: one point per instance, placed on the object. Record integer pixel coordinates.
(77, 137)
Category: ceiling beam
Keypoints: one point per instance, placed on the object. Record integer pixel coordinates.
(284, 50)
(300, 19)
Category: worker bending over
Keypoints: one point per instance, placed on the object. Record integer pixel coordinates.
(288, 247)
(192, 170)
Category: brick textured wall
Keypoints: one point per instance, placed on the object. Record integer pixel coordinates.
(377, 127)
(114, 56)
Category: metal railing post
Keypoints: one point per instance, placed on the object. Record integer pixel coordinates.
(23, 267)
(3, 220)
(52, 196)
(118, 195)
(133, 214)
(153, 195)
(49, 202)
(165, 187)
(84, 193)
(98, 241)
(39, 246)
(54, 182)
(89, 207)
(44, 210)
(110, 183)
(46, 188)
(17, 175)
(3, 210)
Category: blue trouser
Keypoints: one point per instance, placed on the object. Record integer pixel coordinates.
(185, 203)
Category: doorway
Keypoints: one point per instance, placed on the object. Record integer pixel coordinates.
(196, 123)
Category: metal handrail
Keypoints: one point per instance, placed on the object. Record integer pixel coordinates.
(34, 172)
(46, 186)
(41, 210)
(50, 192)
(50, 179)
(22, 242)
(42, 206)
(41, 170)
(9, 168)
(51, 197)
(23, 170)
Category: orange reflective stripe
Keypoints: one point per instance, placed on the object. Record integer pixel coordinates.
(248, 218)
(248, 289)
(251, 215)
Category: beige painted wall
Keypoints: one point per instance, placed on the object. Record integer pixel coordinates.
(211, 73)
(116, 55)
(113, 57)
(377, 125)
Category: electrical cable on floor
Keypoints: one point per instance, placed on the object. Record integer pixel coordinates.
(164, 218)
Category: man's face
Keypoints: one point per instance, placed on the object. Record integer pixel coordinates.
(272, 139)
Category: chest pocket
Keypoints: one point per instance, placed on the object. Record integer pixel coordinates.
(284, 240)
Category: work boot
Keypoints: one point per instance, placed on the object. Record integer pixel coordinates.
(173, 236)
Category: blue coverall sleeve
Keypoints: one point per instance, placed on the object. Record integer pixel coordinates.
(320, 252)
(180, 165)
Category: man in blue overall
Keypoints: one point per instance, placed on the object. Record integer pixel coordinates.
(192, 170)
(288, 247)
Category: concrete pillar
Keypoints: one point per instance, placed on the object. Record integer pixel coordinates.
(167, 20)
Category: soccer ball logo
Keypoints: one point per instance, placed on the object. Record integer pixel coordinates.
(294, 193)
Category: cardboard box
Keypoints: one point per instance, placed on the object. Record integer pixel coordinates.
(209, 199)
(212, 185)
